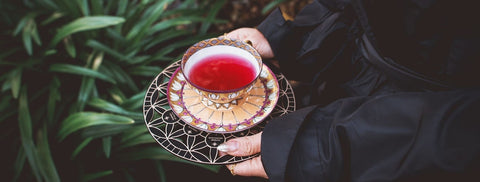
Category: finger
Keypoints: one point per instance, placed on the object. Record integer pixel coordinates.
(240, 34)
(253, 167)
(242, 146)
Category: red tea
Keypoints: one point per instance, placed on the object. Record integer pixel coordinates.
(222, 72)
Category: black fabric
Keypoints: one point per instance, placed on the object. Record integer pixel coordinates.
(365, 123)
(395, 137)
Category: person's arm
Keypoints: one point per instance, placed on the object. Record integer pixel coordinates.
(307, 43)
(398, 137)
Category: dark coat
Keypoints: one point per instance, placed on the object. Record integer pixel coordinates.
(390, 91)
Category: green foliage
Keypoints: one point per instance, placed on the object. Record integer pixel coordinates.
(73, 75)
(272, 5)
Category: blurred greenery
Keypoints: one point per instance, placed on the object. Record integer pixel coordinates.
(73, 78)
(73, 75)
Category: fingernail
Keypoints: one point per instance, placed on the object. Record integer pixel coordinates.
(228, 146)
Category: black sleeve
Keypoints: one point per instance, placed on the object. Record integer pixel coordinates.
(309, 42)
(420, 136)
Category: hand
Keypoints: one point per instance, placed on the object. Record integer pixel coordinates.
(259, 42)
(245, 146)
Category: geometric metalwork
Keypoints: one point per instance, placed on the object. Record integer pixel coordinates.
(190, 143)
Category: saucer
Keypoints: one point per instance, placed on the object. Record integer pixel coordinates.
(236, 116)
(190, 143)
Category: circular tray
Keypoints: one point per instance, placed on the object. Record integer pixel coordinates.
(190, 143)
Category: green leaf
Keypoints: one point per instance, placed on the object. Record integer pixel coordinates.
(139, 31)
(48, 4)
(80, 147)
(142, 139)
(103, 130)
(161, 171)
(133, 132)
(27, 40)
(19, 163)
(101, 47)
(166, 35)
(24, 21)
(87, 87)
(78, 70)
(84, 24)
(26, 136)
(83, 5)
(97, 7)
(92, 176)
(211, 16)
(53, 17)
(53, 97)
(117, 95)
(123, 78)
(15, 81)
(136, 101)
(271, 5)
(148, 71)
(81, 120)
(122, 7)
(110, 107)
(47, 165)
(173, 46)
(70, 46)
(107, 145)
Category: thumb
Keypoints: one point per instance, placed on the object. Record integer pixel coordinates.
(243, 146)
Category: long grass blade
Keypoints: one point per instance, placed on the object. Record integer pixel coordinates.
(27, 39)
(81, 120)
(134, 102)
(70, 46)
(53, 98)
(107, 146)
(123, 79)
(101, 47)
(103, 130)
(122, 7)
(83, 5)
(84, 24)
(87, 87)
(19, 163)
(26, 134)
(78, 70)
(80, 147)
(148, 71)
(92, 176)
(15, 81)
(97, 7)
(133, 132)
(142, 139)
(110, 107)
(271, 5)
(211, 16)
(161, 171)
(45, 157)
(138, 32)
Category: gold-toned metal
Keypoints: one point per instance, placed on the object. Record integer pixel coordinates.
(248, 42)
(232, 169)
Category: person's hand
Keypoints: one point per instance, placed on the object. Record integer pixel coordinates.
(259, 42)
(245, 146)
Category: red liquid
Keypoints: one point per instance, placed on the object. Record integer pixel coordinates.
(222, 72)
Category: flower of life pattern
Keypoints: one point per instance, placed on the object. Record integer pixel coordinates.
(192, 144)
